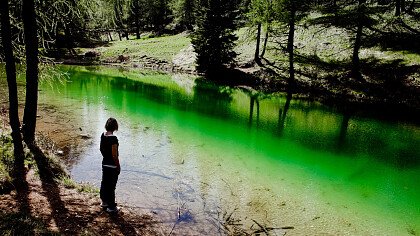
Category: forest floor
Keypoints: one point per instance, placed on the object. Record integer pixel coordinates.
(41, 207)
(390, 85)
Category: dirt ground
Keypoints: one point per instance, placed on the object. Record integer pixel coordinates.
(69, 212)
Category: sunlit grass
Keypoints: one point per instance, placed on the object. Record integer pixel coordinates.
(6, 161)
(163, 48)
(406, 56)
(80, 187)
(329, 44)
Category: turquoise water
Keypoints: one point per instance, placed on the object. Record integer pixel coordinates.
(192, 152)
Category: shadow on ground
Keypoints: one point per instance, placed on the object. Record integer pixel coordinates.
(41, 205)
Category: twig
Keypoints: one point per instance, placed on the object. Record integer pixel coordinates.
(231, 190)
(267, 229)
(179, 214)
(173, 227)
(262, 227)
(178, 211)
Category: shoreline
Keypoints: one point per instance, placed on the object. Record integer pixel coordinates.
(49, 111)
(61, 205)
(257, 81)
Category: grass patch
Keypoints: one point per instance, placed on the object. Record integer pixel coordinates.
(80, 187)
(22, 224)
(6, 163)
(330, 44)
(52, 166)
(163, 48)
(409, 58)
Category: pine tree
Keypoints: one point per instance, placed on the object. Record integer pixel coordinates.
(214, 38)
(183, 11)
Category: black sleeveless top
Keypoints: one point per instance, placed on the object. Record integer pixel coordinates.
(106, 149)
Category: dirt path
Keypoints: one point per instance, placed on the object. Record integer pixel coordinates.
(69, 212)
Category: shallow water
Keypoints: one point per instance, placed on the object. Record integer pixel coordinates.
(193, 153)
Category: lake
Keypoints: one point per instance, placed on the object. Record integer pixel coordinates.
(197, 156)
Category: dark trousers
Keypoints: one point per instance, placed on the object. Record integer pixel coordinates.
(108, 184)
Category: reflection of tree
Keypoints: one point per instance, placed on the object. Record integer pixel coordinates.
(254, 99)
(84, 84)
(310, 127)
(283, 113)
(343, 130)
(208, 98)
(211, 99)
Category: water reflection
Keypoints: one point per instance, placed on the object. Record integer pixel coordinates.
(343, 131)
(283, 113)
(306, 123)
(211, 100)
(208, 148)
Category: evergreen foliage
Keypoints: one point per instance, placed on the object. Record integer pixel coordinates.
(159, 15)
(68, 24)
(214, 38)
(184, 16)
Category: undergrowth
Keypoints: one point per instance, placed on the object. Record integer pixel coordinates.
(22, 224)
(53, 165)
(80, 187)
(6, 163)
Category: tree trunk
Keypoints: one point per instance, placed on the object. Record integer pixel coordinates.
(356, 60)
(69, 40)
(357, 44)
(411, 7)
(137, 23)
(257, 48)
(335, 10)
(119, 35)
(11, 80)
(290, 47)
(397, 7)
(265, 42)
(31, 47)
(126, 34)
(110, 36)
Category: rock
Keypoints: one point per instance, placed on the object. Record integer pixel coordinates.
(91, 54)
(85, 136)
(123, 58)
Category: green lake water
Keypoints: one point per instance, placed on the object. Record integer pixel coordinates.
(192, 153)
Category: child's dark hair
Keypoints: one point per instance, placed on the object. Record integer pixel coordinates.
(111, 125)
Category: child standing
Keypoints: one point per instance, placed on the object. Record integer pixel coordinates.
(110, 166)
